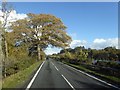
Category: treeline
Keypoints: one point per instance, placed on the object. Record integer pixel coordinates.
(108, 57)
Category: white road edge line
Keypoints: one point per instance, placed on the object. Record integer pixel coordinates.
(68, 82)
(29, 85)
(94, 77)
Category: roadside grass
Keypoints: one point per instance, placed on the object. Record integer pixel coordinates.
(18, 79)
(109, 78)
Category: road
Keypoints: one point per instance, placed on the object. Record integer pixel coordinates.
(54, 74)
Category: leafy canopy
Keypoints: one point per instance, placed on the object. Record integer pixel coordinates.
(42, 29)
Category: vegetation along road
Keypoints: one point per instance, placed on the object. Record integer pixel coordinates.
(28, 38)
(54, 74)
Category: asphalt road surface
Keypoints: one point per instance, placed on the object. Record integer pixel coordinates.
(54, 74)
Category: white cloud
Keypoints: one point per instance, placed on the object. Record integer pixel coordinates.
(73, 44)
(102, 43)
(96, 44)
(76, 43)
(50, 51)
(99, 41)
(16, 16)
(13, 16)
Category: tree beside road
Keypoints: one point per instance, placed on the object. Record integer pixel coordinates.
(41, 30)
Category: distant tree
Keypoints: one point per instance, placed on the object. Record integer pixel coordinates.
(90, 53)
(41, 30)
(81, 55)
(112, 53)
(79, 48)
(62, 51)
(118, 54)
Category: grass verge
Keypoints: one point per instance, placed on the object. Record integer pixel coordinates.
(18, 79)
(111, 79)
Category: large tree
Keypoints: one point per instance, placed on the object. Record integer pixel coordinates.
(41, 30)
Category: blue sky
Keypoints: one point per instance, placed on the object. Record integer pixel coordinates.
(86, 21)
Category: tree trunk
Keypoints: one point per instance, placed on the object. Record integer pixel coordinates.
(1, 56)
(38, 50)
(5, 54)
(6, 57)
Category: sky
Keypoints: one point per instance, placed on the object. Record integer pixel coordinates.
(90, 24)
(63, 0)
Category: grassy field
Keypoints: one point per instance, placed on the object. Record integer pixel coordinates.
(18, 79)
(108, 78)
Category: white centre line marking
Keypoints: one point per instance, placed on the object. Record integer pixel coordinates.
(53, 64)
(56, 68)
(68, 82)
(64, 78)
(31, 82)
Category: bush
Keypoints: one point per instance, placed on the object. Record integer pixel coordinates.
(14, 65)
